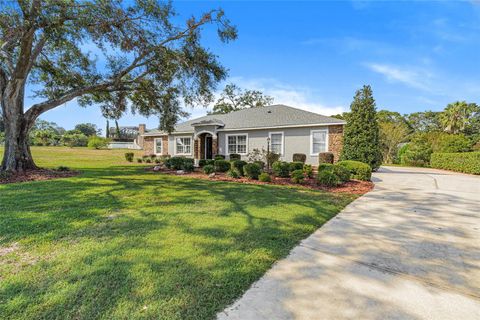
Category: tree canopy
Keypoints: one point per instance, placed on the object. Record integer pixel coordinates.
(233, 98)
(88, 129)
(143, 60)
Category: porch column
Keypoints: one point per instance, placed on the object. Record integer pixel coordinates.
(196, 148)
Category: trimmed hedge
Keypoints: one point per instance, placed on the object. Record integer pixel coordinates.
(179, 163)
(466, 162)
(235, 156)
(281, 169)
(237, 165)
(297, 165)
(222, 165)
(342, 173)
(325, 157)
(264, 177)
(328, 178)
(358, 170)
(219, 157)
(298, 176)
(252, 170)
(299, 157)
(208, 169)
(129, 156)
(325, 166)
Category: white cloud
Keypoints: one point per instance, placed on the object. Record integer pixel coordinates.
(413, 77)
(294, 96)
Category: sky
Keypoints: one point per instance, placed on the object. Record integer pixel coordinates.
(314, 55)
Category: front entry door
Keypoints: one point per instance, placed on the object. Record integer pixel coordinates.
(208, 148)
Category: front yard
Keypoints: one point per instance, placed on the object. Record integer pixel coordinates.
(121, 242)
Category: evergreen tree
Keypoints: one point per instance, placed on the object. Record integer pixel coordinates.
(361, 136)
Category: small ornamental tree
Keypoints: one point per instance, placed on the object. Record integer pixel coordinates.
(361, 134)
(149, 62)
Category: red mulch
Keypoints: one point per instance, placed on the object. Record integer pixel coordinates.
(352, 186)
(37, 175)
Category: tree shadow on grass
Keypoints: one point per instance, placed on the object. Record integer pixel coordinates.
(128, 243)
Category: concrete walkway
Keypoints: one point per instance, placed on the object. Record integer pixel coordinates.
(410, 249)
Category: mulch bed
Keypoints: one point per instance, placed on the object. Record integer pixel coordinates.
(352, 186)
(37, 175)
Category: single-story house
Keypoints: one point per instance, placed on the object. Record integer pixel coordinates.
(279, 128)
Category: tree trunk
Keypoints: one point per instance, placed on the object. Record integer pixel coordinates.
(17, 156)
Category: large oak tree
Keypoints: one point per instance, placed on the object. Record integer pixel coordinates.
(152, 64)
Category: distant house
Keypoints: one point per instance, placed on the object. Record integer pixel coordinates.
(123, 138)
(282, 129)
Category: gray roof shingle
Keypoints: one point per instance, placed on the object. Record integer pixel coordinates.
(269, 116)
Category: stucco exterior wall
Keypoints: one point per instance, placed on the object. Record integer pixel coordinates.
(296, 140)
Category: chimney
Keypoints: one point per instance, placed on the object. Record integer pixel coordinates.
(141, 131)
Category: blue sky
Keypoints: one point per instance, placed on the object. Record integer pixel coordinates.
(314, 55)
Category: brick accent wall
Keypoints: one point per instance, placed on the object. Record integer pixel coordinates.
(214, 147)
(335, 140)
(148, 145)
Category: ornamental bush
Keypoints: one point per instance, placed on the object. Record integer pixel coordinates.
(233, 174)
(325, 157)
(342, 173)
(260, 163)
(202, 162)
(179, 163)
(281, 169)
(129, 156)
(207, 169)
(325, 166)
(358, 170)
(297, 176)
(295, 166)
(272, 158)
(221, 165)
(235, 156)
(237, 165)
(299, 157)
(252, 170)
(95, 142)
(264, 177)
(219, 157)
(328, 178)
(188, 167)
(467, 162)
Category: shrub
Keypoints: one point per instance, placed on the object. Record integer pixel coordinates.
(292, 166)
(139, 160)
(260, 163)
(63, 168)
(95, 142)
(298, 176)
(308, 170)
(152, 156)
(299, 157)
(144, 157)
(358, 170)
(221, 165)
(264, 177)
(281, 169)
(325, 166)
(202, 162)
(157, 160)
(467, 162)
(188, 166)
(342, 173)
(207, 169)
(237, 165)
(129, 156)
(179, 163)
(272, 158)
(235, 156)
(219, 157)
(252, 170)
(325, 157)
(449, 143)
(74, 140)
(148, 160)
(327, 178)
(233, 174)
(210, 162)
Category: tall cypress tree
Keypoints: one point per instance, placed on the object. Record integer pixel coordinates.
(361, 134)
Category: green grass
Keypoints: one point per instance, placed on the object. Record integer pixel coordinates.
(118, 242)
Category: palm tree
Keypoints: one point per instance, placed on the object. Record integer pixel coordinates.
(456, 116)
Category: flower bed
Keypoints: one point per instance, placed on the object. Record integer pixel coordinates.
(36, 175)
(352, 186)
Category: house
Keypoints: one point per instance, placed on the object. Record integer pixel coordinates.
(282, 129)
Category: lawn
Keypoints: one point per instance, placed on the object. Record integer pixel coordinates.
(118, 242)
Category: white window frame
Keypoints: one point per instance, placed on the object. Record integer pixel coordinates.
(282, 148)
(191, 145)
(236, 134)
(311, 140)
(155, 146)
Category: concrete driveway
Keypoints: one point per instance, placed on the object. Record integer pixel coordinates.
(410, 249)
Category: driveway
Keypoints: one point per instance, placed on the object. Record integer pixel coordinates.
(410, 249)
